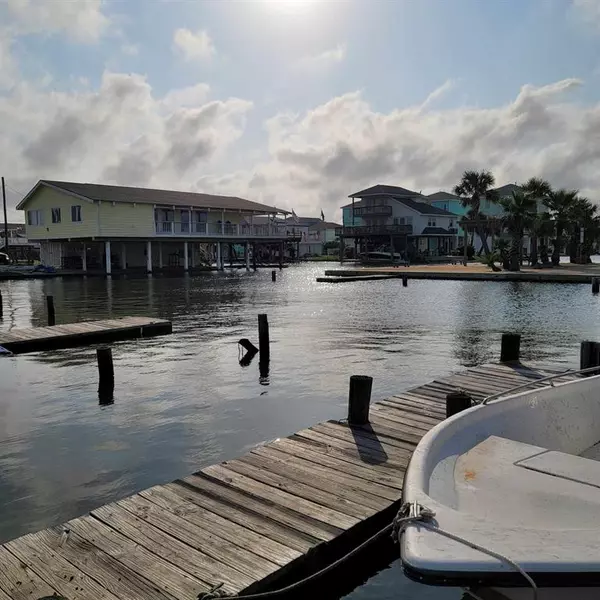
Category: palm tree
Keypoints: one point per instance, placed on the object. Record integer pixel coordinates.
(560, 203)
(474, 187)
(582, 216)
(542, 227)
(519, 214)
(538, 189)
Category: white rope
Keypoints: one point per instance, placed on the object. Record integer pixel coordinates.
(424, 516)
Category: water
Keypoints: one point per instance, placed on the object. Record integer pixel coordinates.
(183, 401)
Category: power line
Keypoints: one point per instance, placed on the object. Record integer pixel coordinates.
(12, 189)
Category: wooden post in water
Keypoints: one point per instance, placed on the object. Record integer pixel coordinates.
(589, 356)
(273, 275)
(263, 339)
(50, 307)
(510, 347)
(457, 402)
(404, 280)
(106, 373)
(595, 285)
(359, 399)
(1, 307)
(254, 256)
(281, 253)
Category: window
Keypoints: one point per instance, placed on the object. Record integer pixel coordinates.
(451, 224)
(431, 222)
(76, 214)
(35, 217)
(55, 215)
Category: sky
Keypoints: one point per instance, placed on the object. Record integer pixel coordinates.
(299, 103)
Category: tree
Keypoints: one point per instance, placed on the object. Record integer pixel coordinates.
(582, 216)
(474, 187)
(541, 228)
(560, 203)
(520, 211)
(538, 189)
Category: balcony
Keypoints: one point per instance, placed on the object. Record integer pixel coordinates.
(379, 210)
(212, 230)
(371, 230)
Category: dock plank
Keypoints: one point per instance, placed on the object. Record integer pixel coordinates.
(248, 521)
(33, 339)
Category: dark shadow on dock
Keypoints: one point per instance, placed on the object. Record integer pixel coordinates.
(368, 445)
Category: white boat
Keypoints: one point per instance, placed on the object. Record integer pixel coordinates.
(504, 498)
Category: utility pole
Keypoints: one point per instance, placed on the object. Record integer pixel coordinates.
(5, 218)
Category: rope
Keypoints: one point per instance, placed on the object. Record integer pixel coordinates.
(414, 512)
(217, 592)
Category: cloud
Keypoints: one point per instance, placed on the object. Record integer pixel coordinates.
(80, 20)
(8, 69)
(438, 93)
(130, 49)
(588, 11)
(318, 157)
(120, 132)
(325, 59)
(194, 46)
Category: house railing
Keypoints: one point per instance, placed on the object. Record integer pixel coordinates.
(374, 230)
(374, 210)
(184, 228)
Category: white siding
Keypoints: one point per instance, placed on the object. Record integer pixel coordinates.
(51, 254)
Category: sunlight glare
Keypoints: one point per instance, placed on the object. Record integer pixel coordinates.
(290, 6)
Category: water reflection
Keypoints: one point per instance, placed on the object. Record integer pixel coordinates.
(183, 401)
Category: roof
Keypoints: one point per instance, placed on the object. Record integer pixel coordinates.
(424, 208)
(435, 230)
(117, 193)
(356, 204)
(386, 190)
(303, 221)
(506, 190)
(320, 225)
(441, 195)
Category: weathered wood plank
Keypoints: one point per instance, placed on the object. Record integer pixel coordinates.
(163, 574)
(324, 515)
(19, 581)
(60, 574)
(200, 538)
(199, 565)
(369, 436)
(108, 572)
(231, 531)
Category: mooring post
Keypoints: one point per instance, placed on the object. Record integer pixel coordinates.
(106, 381)
(589, 356)
(404, 280)
(457, 402)
(1, 306)
(595, 285)
(254, 256)
(50, 307)
(263, 339)
(273, 275)
(510, 347)
(359, 399)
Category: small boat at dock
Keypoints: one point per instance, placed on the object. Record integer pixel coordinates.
(503, 499)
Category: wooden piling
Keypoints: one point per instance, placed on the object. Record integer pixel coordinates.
(281, 253)
(263, 339)
(273, 275)
(510, 347)
(359, 399)
(50, 308)
(595, 285)
(1, 306)
(589, 356)
(106, 381)
(254, 256)
(247, 345)
(404, 280)
(457, 402)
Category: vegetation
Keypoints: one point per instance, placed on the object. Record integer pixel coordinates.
(549, 217)
(474, 187)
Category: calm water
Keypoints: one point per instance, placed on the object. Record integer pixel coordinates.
(183, 401)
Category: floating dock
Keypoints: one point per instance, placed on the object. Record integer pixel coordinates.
(267, 518)
(33, 339)
(459, 273)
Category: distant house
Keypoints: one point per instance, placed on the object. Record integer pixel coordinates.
(398, 218)
(314, 232)
(19, 247)
(105, 227)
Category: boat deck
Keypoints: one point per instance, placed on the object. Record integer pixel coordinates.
(282, 510)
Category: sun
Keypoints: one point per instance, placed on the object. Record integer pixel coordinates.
(293, 6)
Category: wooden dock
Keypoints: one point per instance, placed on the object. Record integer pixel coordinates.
(34, 339)
(281, 511)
